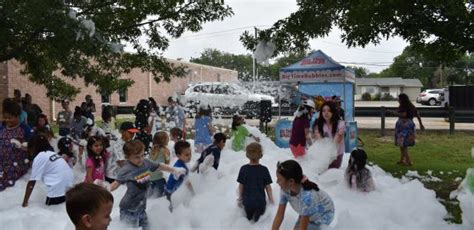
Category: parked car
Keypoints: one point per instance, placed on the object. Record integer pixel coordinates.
(223, 96)
(284, 94)
(431, 97)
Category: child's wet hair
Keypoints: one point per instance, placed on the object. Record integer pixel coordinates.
(86, 199)
(236, 121)
(291, 169)
(133, 147)
(160, 139)
(176, 133)
(254, 151)
(219, 137)
(180, 146)
(64, 146)
(38, 143)
(358, 159)
(91, 141)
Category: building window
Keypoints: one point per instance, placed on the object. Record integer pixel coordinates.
(369, 89)
(105, 99)
(123, 95)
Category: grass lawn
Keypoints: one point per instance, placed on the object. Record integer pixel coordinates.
(446, 156)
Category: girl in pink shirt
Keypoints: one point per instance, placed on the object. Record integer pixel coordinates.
(96, 158)
(330, 125)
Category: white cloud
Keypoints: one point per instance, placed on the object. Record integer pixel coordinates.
(224, 36)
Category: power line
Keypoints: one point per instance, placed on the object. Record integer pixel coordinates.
(386, 65)
(220, 32)
(234, 30)
(366, 50)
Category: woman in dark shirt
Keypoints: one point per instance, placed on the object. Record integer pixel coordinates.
(405, 133)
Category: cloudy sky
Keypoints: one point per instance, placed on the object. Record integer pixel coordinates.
(224, 36)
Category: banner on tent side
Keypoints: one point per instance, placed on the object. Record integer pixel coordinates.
(350, 139)
(283, 133)
(316, 67)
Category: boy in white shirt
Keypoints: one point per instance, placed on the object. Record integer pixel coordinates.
(50, 168)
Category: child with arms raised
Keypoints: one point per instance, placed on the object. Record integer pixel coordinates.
(315, 207)
(254, 179)
(183, 152)
(357, 175)
(135, 174)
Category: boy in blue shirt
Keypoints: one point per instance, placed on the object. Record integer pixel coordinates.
(254, 179)
(211, 155)
(183, 152)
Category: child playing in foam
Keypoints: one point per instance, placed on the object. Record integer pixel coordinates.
(50, 168)
(136, 175)
(239, 132)
(315, 207)
(96, 159)
(357, 175)
(254, 179)
(159, 154)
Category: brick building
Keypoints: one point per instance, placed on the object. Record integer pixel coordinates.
(144, 86)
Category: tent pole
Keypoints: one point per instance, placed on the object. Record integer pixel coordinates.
(279, 101)
(345, 98)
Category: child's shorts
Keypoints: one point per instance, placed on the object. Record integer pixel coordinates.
(135, 219)
(311, 225)
(298, 151)
(157, 188)
(55, 200)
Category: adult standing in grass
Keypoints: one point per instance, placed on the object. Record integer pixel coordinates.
(405, 133)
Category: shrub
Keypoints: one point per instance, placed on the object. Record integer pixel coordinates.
(366, 96)
(376, 97)
(387, 97)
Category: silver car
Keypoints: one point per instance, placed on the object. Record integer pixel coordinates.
(431, 97)
(222, 95)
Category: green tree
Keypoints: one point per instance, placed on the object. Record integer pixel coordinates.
(85, 39)
(433, 74)
(360, 72)
(239, 62)
(243, 63)
(442, 30)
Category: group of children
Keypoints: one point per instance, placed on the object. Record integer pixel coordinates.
(124, 162)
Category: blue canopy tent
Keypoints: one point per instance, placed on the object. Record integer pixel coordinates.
(319, 75)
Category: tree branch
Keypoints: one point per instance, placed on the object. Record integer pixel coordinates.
(12, 53)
